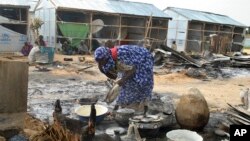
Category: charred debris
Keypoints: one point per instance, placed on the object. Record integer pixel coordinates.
(198, 65)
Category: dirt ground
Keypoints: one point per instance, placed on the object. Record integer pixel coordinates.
(217, 92)
(246, 50)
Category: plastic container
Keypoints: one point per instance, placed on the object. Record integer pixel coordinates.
(50, 51)
(183, 135)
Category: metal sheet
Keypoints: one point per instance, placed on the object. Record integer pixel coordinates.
(112, 6)
(15, 3)
(247, 42)
(206, 16)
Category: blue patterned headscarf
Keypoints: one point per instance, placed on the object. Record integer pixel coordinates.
(103, 53)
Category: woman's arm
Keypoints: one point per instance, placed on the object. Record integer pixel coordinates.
(127, 75)
(111, 75)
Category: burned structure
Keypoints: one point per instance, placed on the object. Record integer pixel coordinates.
(197, 31)
(98, 21)
(13, 24)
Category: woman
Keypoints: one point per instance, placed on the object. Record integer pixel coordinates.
(133, 65)
(41, 42)
(26, 49)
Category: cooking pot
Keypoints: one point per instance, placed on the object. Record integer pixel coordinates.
(83, 112)
(87, 101)
(148, 125)
(122, 116)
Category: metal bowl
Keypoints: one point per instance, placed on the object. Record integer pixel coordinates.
(83, 112)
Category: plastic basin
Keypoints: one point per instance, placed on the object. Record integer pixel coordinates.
(183, 135)
(83, 112)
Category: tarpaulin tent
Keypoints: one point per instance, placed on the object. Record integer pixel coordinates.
(11, 41)
(75, 31)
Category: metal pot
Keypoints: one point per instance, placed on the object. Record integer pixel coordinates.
(87, 101)
(122, 116)
(148, 125)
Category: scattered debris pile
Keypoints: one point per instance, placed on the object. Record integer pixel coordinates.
(166, 55)
(241, 61)
(239, 115)
(200, 66)
(55, 132)
(183, 56)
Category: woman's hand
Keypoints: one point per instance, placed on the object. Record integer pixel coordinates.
(128, 74)
(120, 82)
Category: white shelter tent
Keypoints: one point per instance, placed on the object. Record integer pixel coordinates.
(13, 24)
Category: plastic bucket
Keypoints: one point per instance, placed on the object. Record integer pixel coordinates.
(50, 51)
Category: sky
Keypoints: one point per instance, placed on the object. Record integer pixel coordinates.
(239, 10)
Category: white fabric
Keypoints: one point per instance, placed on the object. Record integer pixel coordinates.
(32, 55)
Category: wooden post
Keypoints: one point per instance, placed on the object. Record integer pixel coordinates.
(120, 28)
(90, 35)
(186, 42)
(232, 39)
(202, 37)
(13, 93)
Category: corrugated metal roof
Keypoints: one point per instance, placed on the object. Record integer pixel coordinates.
(206, 16)
(15, 3)
(112, 6)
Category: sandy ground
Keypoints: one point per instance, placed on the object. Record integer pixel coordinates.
(217, 92)
(247, 50)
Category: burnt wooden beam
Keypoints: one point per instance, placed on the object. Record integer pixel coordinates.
(182, 56)
(72, 125)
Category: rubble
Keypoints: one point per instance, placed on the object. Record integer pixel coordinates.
(182, 56)
(239, 115)
(195, 73)
(43, 91)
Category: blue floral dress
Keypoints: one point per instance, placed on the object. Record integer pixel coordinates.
(139, 87)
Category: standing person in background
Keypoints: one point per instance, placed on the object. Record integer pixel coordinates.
(41, 42)
(83, 49)
(174, 46)
(67, 50)
(133, 65)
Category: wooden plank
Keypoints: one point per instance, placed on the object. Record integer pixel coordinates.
(238, 116)
(240, 110)
(82, 69)
(182, 56)
(241, 121)
(233, 121)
